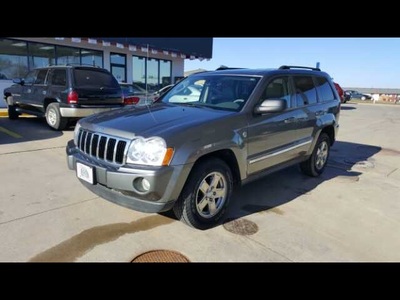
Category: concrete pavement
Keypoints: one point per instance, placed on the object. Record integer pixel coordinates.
(351, 213)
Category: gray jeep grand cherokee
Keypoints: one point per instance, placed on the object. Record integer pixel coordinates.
(211, 131)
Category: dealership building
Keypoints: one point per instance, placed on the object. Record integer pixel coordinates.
(150, 62)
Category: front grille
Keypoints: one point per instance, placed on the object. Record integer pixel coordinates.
(101, 146)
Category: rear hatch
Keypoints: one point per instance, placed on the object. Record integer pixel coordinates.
(96, 87)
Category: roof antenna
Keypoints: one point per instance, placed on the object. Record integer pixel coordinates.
(317, 66)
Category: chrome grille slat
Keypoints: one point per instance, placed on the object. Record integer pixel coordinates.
(102, 147)
(90, 144)
(115, 150)
(106, 148)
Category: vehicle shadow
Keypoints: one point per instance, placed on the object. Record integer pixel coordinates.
(347, 107)
(26, 129)
(286, 185)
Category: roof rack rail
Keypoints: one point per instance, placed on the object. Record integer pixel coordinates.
(298, 67)
(226, 68)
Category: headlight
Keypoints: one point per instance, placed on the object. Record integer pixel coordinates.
(76, 133)
(152, 151)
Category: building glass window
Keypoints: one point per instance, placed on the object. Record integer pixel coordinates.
(119, 59)
(41, 55)
(152, 75)
(18, 57)
(13, 59)
(92, 57)
(139, 71)
(165, 72)
(68, 55)
(118, 66)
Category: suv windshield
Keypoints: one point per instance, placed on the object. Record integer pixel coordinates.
(216, 91)
(94, 78)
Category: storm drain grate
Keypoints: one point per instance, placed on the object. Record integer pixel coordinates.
(241, 226)
(161, 256)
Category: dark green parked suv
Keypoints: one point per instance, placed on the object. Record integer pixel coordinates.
(211, 131)
(63, 93)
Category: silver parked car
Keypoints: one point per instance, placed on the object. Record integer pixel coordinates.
(135, 95)
(188, 154)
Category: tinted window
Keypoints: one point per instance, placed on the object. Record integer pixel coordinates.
(94, 78)
(30, 77)
(59, 77)
(324, 89)
(41, 77)
(278, 88)
(305, 90)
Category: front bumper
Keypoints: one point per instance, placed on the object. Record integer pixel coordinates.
(115, 183)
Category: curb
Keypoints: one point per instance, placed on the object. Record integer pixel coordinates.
(3, 113)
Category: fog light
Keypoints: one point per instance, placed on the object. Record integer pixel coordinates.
(141, 184)
(145, 184)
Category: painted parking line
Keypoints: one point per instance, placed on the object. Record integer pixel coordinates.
(10, 133)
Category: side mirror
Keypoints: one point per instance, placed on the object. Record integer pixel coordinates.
(271, 105)
(18, 81)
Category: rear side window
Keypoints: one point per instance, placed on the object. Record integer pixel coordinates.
(94, 79)
(41, 77)
(305, 90)
(59, 77)
(324, 89)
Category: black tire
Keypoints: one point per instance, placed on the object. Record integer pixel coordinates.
(315, 165)
(12, 113)
(188, 206)
(53, 117)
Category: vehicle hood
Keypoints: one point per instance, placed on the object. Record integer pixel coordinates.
(159, 119)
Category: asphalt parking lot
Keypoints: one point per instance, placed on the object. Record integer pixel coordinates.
(350, 213)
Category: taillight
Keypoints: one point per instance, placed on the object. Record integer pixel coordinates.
(72, 97)
(131, 100)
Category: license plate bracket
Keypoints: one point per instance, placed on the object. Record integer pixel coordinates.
(85, 172)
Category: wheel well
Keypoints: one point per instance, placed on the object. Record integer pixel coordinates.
(330, 132)
(47, 101)
(228, 157)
